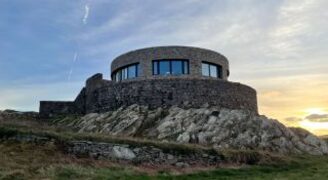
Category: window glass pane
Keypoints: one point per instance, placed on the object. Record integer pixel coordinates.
(164, 67)
(220, 73)
(137, 70)
(213, 71)
(155, 70)
(118, 76)
(185, 67)
(205, 69)
(132, 71)
(126, 73)
(122, 74)
(176, 67)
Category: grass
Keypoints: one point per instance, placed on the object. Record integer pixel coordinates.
(46, 161)
(229, 156)
(9, 131)
(30, 161)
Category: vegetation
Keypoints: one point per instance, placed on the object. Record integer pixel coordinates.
(30, 161)
(231, 156)
(47, 161)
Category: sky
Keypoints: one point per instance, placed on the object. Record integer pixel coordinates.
(48, 48)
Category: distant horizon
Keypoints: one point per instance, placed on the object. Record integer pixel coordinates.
(49, 48)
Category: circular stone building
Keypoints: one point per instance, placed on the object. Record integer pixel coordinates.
(188, 77)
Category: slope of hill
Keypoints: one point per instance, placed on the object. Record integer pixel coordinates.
(89, 147)
(215, 127)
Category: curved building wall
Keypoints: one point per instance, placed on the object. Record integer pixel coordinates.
(194, 55)
(169, 91)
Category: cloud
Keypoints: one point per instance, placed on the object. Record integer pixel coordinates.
(71, 70)
(293, 119)
(86, 14)
(75, 56)
(70, 74)
(317, 117)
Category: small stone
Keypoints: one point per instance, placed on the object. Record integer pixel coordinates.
(170, 157)
(204, 155)
(123, 153)
(182, 165)
(137, 150)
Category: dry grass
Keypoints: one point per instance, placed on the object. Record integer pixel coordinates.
(31, 161)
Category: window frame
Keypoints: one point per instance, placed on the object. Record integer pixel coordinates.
(156, 66)
(218, 69)
(117, 75)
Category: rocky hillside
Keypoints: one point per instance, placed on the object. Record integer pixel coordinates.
(210, 126)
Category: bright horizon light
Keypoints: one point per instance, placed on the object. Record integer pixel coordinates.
(279, 48)
(318, 111)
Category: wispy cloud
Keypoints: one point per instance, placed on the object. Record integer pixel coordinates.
(75, 57)
(317, 117)
(278, 47)
(73, 64)
(86, 14)
(70, 74)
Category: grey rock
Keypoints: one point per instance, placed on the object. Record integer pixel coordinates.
(182, 165)
(123, 153)
(218, 127)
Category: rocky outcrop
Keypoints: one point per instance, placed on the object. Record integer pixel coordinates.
(210, 126)
(142, 154)
(138, 152)
(12, 114)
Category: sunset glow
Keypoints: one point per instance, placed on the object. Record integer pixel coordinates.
(278, 47)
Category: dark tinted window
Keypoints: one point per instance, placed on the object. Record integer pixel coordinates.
(132, 71)
(212, 70)
(176, 67)
(127, 72)
(205, 69)
(164, 67)
(155, 67)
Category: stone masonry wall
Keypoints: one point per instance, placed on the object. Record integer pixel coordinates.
(169, 91)
(194, 55)
(51, 108)
(101, 95)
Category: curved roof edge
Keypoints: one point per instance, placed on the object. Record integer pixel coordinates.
(170, 46)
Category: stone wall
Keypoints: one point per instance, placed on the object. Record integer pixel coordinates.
(51, 108)
(101, 95)
(169, 91)
(195, 56)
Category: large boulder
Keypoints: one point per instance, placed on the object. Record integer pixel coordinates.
(211, 126)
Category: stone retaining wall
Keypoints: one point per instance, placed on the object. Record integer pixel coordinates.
(101, 95)
(169, 91)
